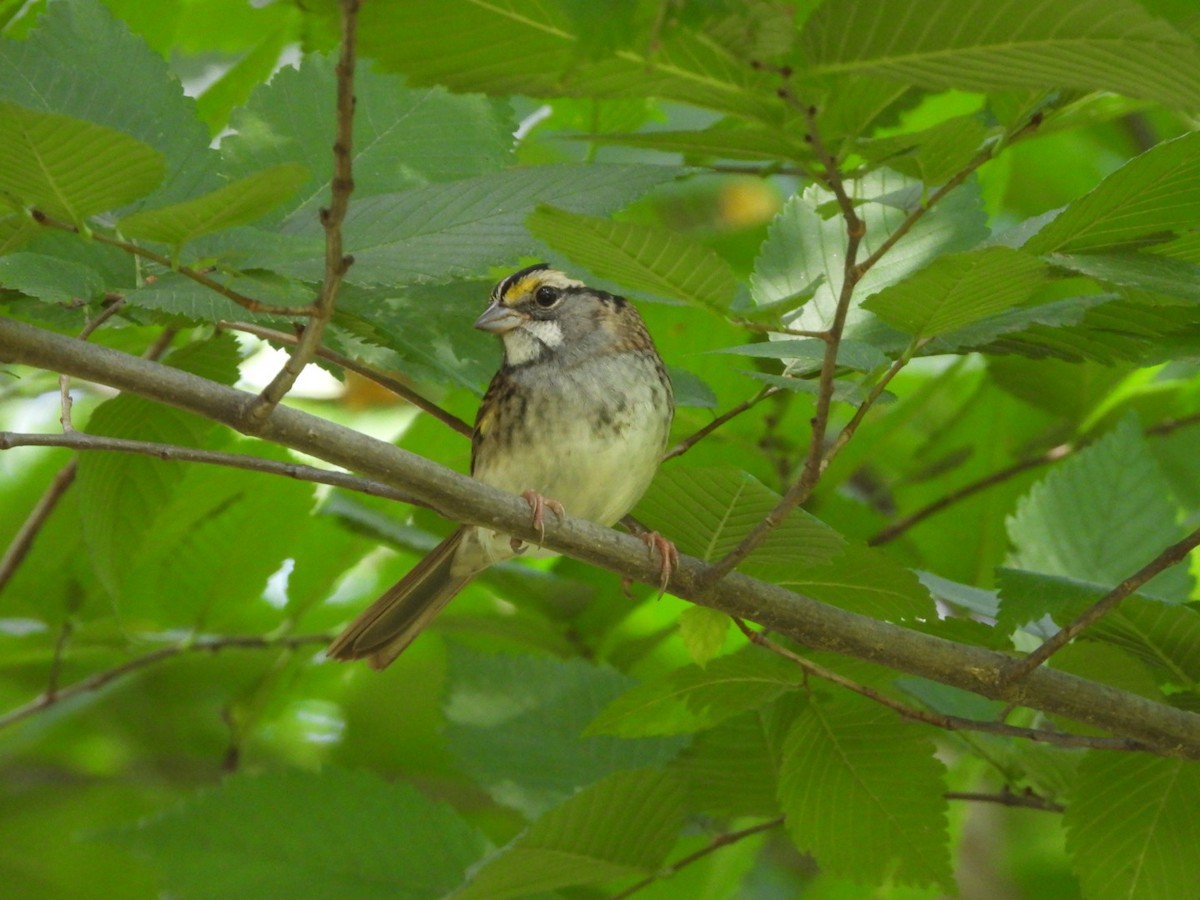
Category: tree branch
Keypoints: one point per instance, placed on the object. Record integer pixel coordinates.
(1170, 731)
(1172, 556)
(1054, 454)
(201, 645)
(81, 441)
(692, 440)
(199, 277)
(721, 840)
(1026, 799)
(336, 262)
(939, 720)
(810, 474)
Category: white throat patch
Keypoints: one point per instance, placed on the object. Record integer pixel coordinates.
(524, 344)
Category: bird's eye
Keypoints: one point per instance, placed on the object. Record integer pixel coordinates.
(546, 296)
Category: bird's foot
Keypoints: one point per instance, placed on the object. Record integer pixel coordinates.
(538, 506)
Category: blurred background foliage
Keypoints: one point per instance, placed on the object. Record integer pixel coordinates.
(657, 149)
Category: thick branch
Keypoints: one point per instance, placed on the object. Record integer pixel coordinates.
(462, 499)
(816, 625)
(936, 719)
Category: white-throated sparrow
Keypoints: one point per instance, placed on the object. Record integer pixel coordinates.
(577, 419)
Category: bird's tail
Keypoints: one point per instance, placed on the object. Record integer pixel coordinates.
(385, 628)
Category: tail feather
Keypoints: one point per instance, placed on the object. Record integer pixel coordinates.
(385, 628)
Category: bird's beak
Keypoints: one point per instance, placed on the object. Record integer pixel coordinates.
(499, 319)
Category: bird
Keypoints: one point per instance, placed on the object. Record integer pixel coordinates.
(576, 419)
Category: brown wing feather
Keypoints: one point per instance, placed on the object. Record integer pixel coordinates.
(387, 626)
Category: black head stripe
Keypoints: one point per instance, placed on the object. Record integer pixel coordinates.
(502, 288)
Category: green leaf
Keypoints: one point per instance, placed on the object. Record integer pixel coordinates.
(707, 512)
(197, 536)
(178, 295)
(403, 136)
(810, 246)
(703, 631)
(693, 698)
(120, 493)
(1132, 827)
(1009, 325)
(1154, 193)
(49, 278)
(862, 791)
(853, 354)
(690, 390)
(71, 169)
(1164, 636)
(730, 770)
(719, 142)
(622, 826)
(440, 231)
(516, 723)
(1035, 44)
(1065, 524)
(1110, 331)
(334, 834)
(934, 154)
(1144, 271)
(234, 86)
(779, 271)
(643, 257)
(537, 48)
(958, 290)
(66, 66)
(843, 391)
(237, 203)
(426, 329)
(859, 579)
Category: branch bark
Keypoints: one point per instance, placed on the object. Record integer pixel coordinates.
(1168, 730)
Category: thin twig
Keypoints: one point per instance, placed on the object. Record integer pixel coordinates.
(81, 441)
(199, 277)
(336, 262)
(955, 180)
(896, 529)
(940, 720)
(1026, 799)
(876, 392)
(852, 272)
(799, 492)
(1172, 556)
(200, 645)
(22, 541)
(691, 440)
(383, 380)
(1054, 454)
(721, 840)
